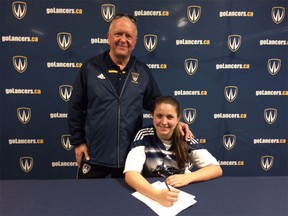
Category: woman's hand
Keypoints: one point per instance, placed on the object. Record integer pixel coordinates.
(167, 198)
(178, 180)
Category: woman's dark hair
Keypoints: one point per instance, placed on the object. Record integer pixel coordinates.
(179, 144)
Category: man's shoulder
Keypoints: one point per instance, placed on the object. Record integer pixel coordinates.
(140, 63)
(96, 60)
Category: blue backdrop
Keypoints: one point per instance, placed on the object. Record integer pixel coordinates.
(224, 60)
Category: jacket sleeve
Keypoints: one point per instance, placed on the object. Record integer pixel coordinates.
(77, 109)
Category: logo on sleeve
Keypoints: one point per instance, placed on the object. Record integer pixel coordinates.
(86, 168)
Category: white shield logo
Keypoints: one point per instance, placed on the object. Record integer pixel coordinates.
(278, 14)
(267, 162)
(229, 141)
(65, 141)
(26, 163)
(108, 12)
(193, 13)
(64, 40)
(65, 92)
(19, 9)
(270, 115)
(24, 114)
(191, 66)
(189, 115)
(150, 42)
(273, 66)
(20, 63)
(234, 42)
(86, 168)
(231, 93)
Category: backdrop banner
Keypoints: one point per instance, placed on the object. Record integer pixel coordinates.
(224, 60)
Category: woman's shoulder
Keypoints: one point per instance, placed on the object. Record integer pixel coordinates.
(194, 144)
(144, 133)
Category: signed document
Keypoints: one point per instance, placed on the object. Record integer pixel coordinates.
(184, 201)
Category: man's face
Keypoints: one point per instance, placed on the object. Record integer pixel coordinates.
(122, 37)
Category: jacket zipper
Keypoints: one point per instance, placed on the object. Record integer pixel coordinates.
(119, 112)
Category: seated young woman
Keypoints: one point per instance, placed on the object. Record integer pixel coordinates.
(160, 150)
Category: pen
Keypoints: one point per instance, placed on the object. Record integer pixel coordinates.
(167, 185)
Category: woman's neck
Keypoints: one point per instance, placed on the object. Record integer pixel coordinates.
(167, 143)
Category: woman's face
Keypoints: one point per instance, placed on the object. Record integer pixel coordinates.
(165, 119)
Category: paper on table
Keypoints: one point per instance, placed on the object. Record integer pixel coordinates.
(184, 201)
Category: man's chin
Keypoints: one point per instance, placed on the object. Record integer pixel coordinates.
(122, 55)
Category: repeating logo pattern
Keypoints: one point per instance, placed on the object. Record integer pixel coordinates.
(189, 115)
(198, 63)
(19, 9)
(231, 93)
(65, 92)
(20, 63)
(64, 40)
(150, 42)
(191, 65)
(26, 164)
(65, 141)
(229, 141)
(278, 14)
(108, 12)
(24, 114)
(234, 42)
(274, 66)
(267, 162)
(270, 115)
(194, 13)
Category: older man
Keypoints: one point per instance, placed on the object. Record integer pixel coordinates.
(106, 107)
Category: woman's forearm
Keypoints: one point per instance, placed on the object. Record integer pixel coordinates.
(140, 184)
(203, 174)
(206, 173)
